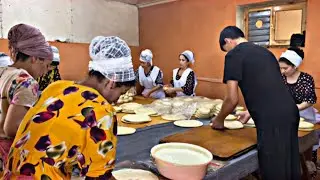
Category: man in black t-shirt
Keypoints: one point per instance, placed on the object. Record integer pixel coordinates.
(256, 71)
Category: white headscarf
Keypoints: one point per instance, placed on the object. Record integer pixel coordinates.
(146, 56)
(189, 55)
(111, 56)
(56, 55)
(5, 60)
(293, 57)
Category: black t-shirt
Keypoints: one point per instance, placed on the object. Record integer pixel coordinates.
(258, 74)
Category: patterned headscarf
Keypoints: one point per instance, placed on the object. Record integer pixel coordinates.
(30, 41)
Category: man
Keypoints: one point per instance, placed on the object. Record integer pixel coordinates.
(256, 71)
(74, 123)
(53, 75)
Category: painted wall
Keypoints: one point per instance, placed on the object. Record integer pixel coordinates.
(76, 21)
(168, 29)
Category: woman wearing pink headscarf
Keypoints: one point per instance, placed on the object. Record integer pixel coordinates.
(32, 56)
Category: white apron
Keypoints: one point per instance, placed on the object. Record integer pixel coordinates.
(150, 82)
(183, 80)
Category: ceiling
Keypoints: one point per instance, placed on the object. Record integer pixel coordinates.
(144, 3)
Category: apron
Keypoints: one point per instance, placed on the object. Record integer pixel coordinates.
(183, 80)
(148, 82)
(309, 114)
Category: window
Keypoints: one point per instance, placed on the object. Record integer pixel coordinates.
(273, 25)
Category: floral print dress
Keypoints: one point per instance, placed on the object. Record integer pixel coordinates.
(70, 124)
(19, 88)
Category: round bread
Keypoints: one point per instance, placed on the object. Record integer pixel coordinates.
(231, 117)
(173, 117)
(125, 131)
(136, 118)
(305, 125)
(233, 125)
(134, 174)
(188, 123)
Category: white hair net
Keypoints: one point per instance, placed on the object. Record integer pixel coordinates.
(5, 60)
(111, 56)
(189, 55)
(146, 56)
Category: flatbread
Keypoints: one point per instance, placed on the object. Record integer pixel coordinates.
(188, 123)
(130, 107)
(146, 111)
(134, 174)
(308, 130)
(117, 108)
(125, 131)
(173, 117)
(231, 117)
(203, 111)
(250, 122)
(233, 125)
(178, 104)
(135, 118)
(305, 125)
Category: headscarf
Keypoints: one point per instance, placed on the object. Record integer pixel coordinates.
(111, 56)
(189, 55)
(5, 60)
(30, 41)
(146, 56)
(56, 55)
(293, 57)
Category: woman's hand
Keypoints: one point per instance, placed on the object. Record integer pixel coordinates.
(243, 116)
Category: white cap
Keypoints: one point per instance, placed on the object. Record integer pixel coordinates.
(189, 55)
(293, 57)
(146, 56)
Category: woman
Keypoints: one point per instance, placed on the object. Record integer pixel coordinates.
(184, 81)
(19, 89)
(53, 75)
(150, 76)
(74, 123)
(300, 84)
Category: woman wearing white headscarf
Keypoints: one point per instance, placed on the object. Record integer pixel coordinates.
(150, 77)
(184, 80)
(300, 84)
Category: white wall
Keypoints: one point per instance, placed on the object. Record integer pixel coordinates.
(73, 20)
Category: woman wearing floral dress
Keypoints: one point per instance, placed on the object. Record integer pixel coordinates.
(73, 123)
(19, 89)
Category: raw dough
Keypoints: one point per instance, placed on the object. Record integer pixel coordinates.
(173, 117)
(178, 104)
(233, 125)
(134, 174)
(231, 117)
(250, 122)
(146, 111)
(302, 119)
(117, 108)
(136, 118)
(125, 131)
(305, 125)
(188, 123)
